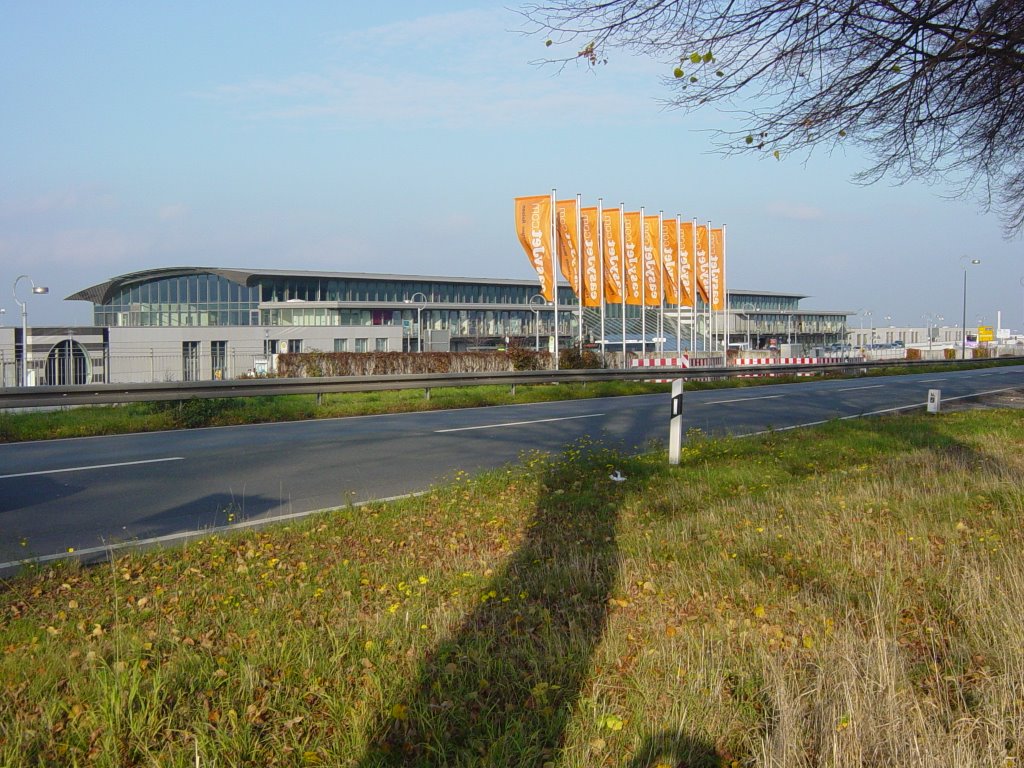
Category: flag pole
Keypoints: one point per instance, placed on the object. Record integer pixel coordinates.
(579, 266)
(600, 256)
(643, 287)
(679, 291)
(622, 273)
(696, 289)
(554, 270)
(725, 296)
(711, 293)
(661, 279)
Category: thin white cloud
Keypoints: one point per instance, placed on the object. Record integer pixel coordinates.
(795, 211)
(57, 201)
(457, 70)
(92, 246)
(172, 212)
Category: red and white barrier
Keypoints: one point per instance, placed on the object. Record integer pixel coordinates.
(787, 360)
(707, 362)
(661, 362)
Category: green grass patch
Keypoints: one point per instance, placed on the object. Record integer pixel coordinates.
(848, 595)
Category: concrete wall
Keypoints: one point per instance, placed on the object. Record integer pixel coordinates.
(156, 354)
(8, 369)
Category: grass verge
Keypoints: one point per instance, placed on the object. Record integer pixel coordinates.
(848, 595)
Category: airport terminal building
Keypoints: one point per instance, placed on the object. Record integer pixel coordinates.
(195, 323)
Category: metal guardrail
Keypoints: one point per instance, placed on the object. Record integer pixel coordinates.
(99, 394)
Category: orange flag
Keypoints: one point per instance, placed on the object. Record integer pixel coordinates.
(591, 263)
(703, 264)
(634, 280)
(716, 265)
(612, 255)
(670, 262)
(533, 225)
(653, 278)
(568, 242)
(687, 262)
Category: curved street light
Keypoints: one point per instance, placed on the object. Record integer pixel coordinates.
(746, 318)
(420, 305)
(1022, 315)
(963, 331)
(536, 319)
(932, 328)
(36, 289)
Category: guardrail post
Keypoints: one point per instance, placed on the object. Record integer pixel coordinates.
(675, 428)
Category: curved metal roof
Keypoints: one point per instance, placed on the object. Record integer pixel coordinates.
(101, 293)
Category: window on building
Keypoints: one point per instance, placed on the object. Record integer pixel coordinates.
(294, 346)
(190, 361)
(382, 345)
(361, 345)
(341, 345)
(219, 359)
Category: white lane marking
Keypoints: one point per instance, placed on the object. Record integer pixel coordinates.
(874, 413)
(869, 386)
(929, 381)
(92, 466)
(741, 400)
(517, 423)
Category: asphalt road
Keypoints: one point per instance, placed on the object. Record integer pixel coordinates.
(91, 493)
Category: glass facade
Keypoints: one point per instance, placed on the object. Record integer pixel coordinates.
(187, 300)
(367, 290)
(478, 312)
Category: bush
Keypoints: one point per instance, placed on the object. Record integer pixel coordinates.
(189, 414)
(313, 364)
(522, 358)
(575, 359)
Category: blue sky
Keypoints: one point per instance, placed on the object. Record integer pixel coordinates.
(392, 137)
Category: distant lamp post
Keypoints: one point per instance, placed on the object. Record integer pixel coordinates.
(963, 332)
(536, 319)
(1022, 304)
(36, 289)
(748, 308)
(420, 305)
(932, 328)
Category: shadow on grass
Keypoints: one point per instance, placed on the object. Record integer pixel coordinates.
(502, 689)
(675, 749)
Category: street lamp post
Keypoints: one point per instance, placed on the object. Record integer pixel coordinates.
(963, 331)
(536, 319)
(36, 289)
(932, 328)
(746, 318)
(1022, 304)
(420, 305)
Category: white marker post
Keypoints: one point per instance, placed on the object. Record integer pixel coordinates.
(675, 429)
(934, 400)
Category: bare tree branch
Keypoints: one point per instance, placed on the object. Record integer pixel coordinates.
(932, 89)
